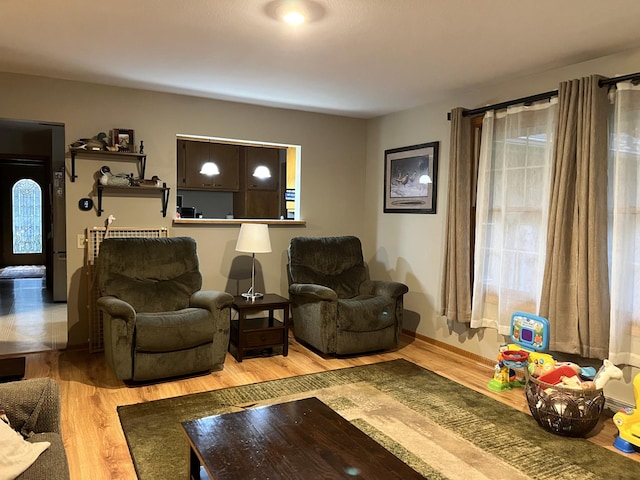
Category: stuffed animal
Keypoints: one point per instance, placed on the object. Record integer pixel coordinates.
(607, 372)
(576, 384)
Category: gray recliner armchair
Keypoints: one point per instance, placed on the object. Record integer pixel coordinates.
(157, 321)
(335, 307)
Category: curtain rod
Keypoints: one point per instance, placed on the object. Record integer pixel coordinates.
(541, 96)
(622, 78)
(497, 106)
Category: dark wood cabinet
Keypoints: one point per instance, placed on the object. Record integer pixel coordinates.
(253, 196)
(256, 157)
(192, 155)
(259, 197)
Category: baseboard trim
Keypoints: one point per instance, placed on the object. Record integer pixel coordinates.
(450, 348)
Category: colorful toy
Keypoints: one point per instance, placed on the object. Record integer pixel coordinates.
(541, 363)
(530, 331)
(529, 334)
(628, 423)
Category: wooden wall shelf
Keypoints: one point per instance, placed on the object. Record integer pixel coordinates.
(141, 158)
(131, 191)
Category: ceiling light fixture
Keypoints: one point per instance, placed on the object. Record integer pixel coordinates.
(293, 17)
(294, 12)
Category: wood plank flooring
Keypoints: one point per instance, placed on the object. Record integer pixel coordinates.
(29, 320)
(96, 447)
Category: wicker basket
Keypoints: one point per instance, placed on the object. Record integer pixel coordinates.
(563, 411)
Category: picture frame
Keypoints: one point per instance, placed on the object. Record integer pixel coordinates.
(124, 139)
(411, 179)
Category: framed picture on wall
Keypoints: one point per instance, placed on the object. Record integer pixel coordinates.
(123, 138)
(410, 179)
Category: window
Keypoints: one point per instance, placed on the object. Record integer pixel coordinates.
(511, 213)
(624, 226)
(26, 198)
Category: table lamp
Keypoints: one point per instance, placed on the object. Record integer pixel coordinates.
(253, 238)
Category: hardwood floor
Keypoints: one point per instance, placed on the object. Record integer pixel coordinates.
(96, 447)
(30, 321)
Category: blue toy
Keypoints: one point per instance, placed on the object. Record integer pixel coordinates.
(529, 333)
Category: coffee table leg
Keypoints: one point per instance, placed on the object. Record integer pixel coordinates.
(194, 465)
(285, 320)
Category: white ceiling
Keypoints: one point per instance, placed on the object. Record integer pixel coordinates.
(363, 58)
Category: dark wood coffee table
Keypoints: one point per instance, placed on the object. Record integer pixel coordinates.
(294, 440)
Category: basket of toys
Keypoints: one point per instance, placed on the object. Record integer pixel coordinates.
(569, 409)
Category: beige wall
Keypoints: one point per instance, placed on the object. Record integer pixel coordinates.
(410, 247)
(332, 171)
(341, 178)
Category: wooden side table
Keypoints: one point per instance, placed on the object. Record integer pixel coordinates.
(259, 333)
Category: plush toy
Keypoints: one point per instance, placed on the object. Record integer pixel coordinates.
(607, 372)
(575, 383)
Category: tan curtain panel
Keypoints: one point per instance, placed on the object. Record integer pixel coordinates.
(575, 290)
(456, 279)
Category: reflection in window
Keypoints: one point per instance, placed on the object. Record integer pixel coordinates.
(26, 198)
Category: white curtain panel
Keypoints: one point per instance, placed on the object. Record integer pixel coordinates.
(514, 179)
(624, 226)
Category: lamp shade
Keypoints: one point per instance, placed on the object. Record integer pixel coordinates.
(254, 238)
(262, 172)
(209, 168)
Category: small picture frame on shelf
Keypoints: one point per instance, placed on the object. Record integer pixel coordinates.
(123, 138)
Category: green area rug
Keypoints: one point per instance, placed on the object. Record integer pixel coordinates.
(440, 428)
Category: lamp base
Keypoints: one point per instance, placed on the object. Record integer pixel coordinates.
(252, 296)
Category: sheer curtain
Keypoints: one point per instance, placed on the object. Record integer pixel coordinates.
(512, 211)
(624, 208)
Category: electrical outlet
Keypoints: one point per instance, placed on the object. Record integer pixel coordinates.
(81, 240)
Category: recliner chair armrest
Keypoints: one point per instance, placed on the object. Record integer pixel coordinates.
(383, 288)
(32, 405)
(116, 308)
(211, 300)
(313, 291)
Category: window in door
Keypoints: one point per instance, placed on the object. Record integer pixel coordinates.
(26, 200)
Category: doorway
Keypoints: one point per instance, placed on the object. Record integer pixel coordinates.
(33, 311)
(24, 228)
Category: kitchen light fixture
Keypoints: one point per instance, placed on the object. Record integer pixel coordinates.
(253, 238)
(210, 169)
(262, 172)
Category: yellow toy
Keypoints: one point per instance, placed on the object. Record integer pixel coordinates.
(540, 363)
(628, 423)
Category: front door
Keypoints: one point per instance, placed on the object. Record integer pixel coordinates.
(24, 211)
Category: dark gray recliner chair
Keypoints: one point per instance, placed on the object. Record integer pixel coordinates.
(157, 321)
(335, 307)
